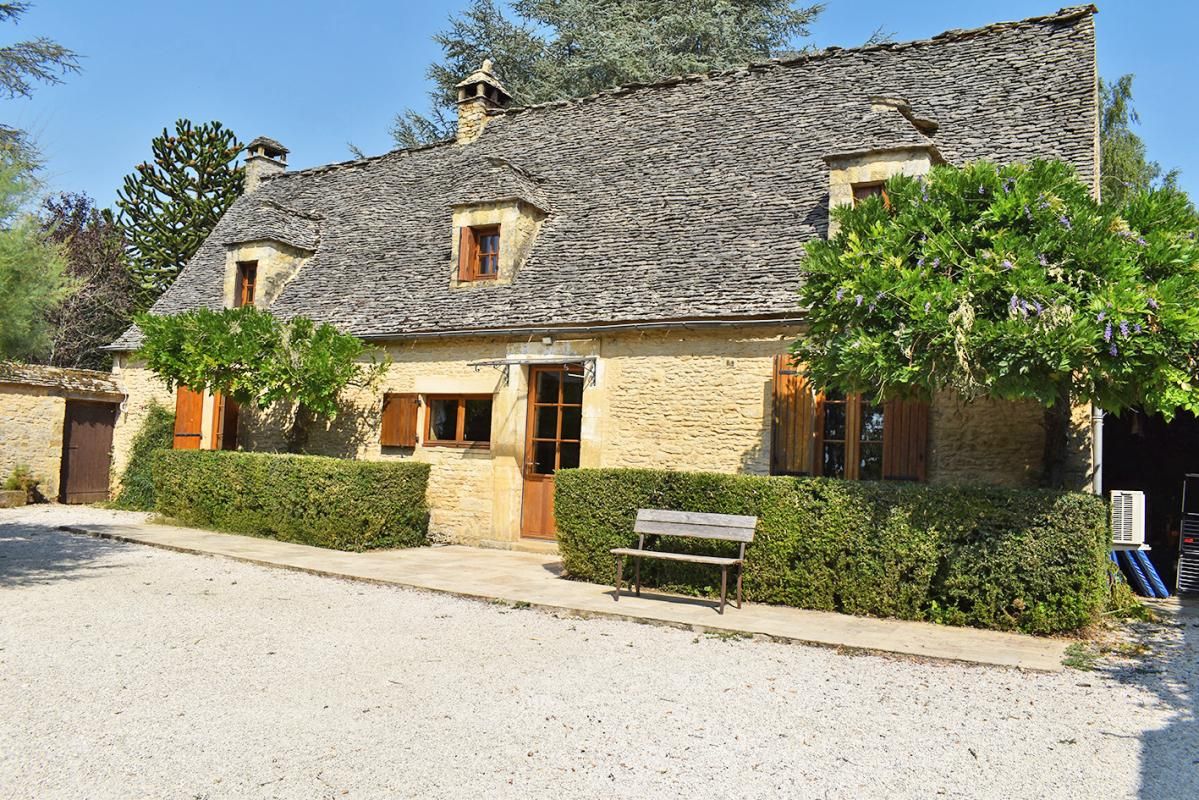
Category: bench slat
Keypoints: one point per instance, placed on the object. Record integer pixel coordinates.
(714, 560)
(695, 531)
(696, 518)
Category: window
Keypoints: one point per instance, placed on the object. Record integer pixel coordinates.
(479, 253)
(844, 436)
(851, 437)
(398, 423)
(863, 190)
(463, 421)
(247, 277)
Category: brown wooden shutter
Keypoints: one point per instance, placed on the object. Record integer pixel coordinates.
(905, 440)
(399, 420)
(794, 421)
(466, 246)
(189, 413)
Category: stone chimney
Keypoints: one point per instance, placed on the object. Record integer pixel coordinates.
(263, 157)
(476, 95)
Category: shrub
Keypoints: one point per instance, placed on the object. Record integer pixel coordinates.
(21, 479)
(137, 483)
(1031, 560)
(326, 502)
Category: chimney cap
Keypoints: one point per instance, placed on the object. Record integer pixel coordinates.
(483, 83)
(264, 146)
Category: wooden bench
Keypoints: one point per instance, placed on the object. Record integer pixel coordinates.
(686, 524)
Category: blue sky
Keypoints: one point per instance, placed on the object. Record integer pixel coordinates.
(317, 75)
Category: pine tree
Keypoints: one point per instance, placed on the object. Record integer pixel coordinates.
(553, 49)
(22, 64)
(170, 205)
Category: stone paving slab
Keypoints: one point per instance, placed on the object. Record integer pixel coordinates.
(535, 579)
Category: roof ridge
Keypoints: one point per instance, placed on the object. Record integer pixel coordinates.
(358, 162)
(953, 35)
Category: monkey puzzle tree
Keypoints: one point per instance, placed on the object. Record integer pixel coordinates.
(254, 357)
(1008, 282)
(169, 205)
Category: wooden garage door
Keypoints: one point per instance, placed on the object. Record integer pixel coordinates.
(86, 451)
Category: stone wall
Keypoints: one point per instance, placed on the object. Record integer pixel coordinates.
(31, 420)
(143, 388)
(685, 400)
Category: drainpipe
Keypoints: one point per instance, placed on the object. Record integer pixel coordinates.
(1097, 450)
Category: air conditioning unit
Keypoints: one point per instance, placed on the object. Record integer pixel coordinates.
(1128, 518)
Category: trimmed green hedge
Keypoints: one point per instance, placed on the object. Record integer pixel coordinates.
(327, 502)
(1009, 559)
(137, 484)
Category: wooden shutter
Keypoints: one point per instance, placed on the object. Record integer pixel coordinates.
(189, 412)
(793, 421)
(905, 440)
(399, 420)
(466, 255)
(225, 412)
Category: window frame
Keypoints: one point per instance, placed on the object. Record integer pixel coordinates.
(865, 189)
(470, 254)
(460, 422)
(854, 404)
(247, 279)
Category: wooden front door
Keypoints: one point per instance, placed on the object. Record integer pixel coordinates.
(86, 451)
(555, 431)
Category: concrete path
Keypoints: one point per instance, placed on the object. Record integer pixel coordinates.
(535, 579)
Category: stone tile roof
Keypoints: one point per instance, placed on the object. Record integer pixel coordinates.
(267, 220)
(84, 381)
(688, 199)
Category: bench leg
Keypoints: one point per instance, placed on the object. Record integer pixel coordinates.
(740, 570)
(619, 576)
(637, 571)
(724, 586)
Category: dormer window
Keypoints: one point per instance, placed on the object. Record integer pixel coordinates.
(247, 279)
(479, 253)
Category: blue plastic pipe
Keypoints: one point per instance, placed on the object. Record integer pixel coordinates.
(1155, 580)
(1136, 577)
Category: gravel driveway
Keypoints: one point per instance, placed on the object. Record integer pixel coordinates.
(128, 672)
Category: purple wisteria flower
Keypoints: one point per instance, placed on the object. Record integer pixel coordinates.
(1141, 241)
(1124, 328)
(927, 307)
(1043, 259)
(920, 261)
(1065, 221)
(936, 263)
(858, 299)
(1101, 316)
(840, 294)
(1027, 213)
(1013, 305)
(1152, 303)
(1115, 351)
(1107, 332)
(1008, 183)
(1038, 307)
(871, 307)
(1006, 264)
(1136, 328)
(982, 190)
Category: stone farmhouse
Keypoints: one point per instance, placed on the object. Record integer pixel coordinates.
(611, 280)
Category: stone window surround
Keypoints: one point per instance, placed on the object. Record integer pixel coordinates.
(518, 222)
(850, 170)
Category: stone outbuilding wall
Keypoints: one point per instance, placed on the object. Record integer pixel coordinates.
(33, 402)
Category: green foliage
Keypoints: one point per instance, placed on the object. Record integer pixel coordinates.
(1008, 282)
(1027, 560)
(551, 49)
(21, 479)
(1126, 169)
(32, 268)
(137, 483)
(326, 502)
(25, 63)
(254, 357)
(169, 205)
(101, 306)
